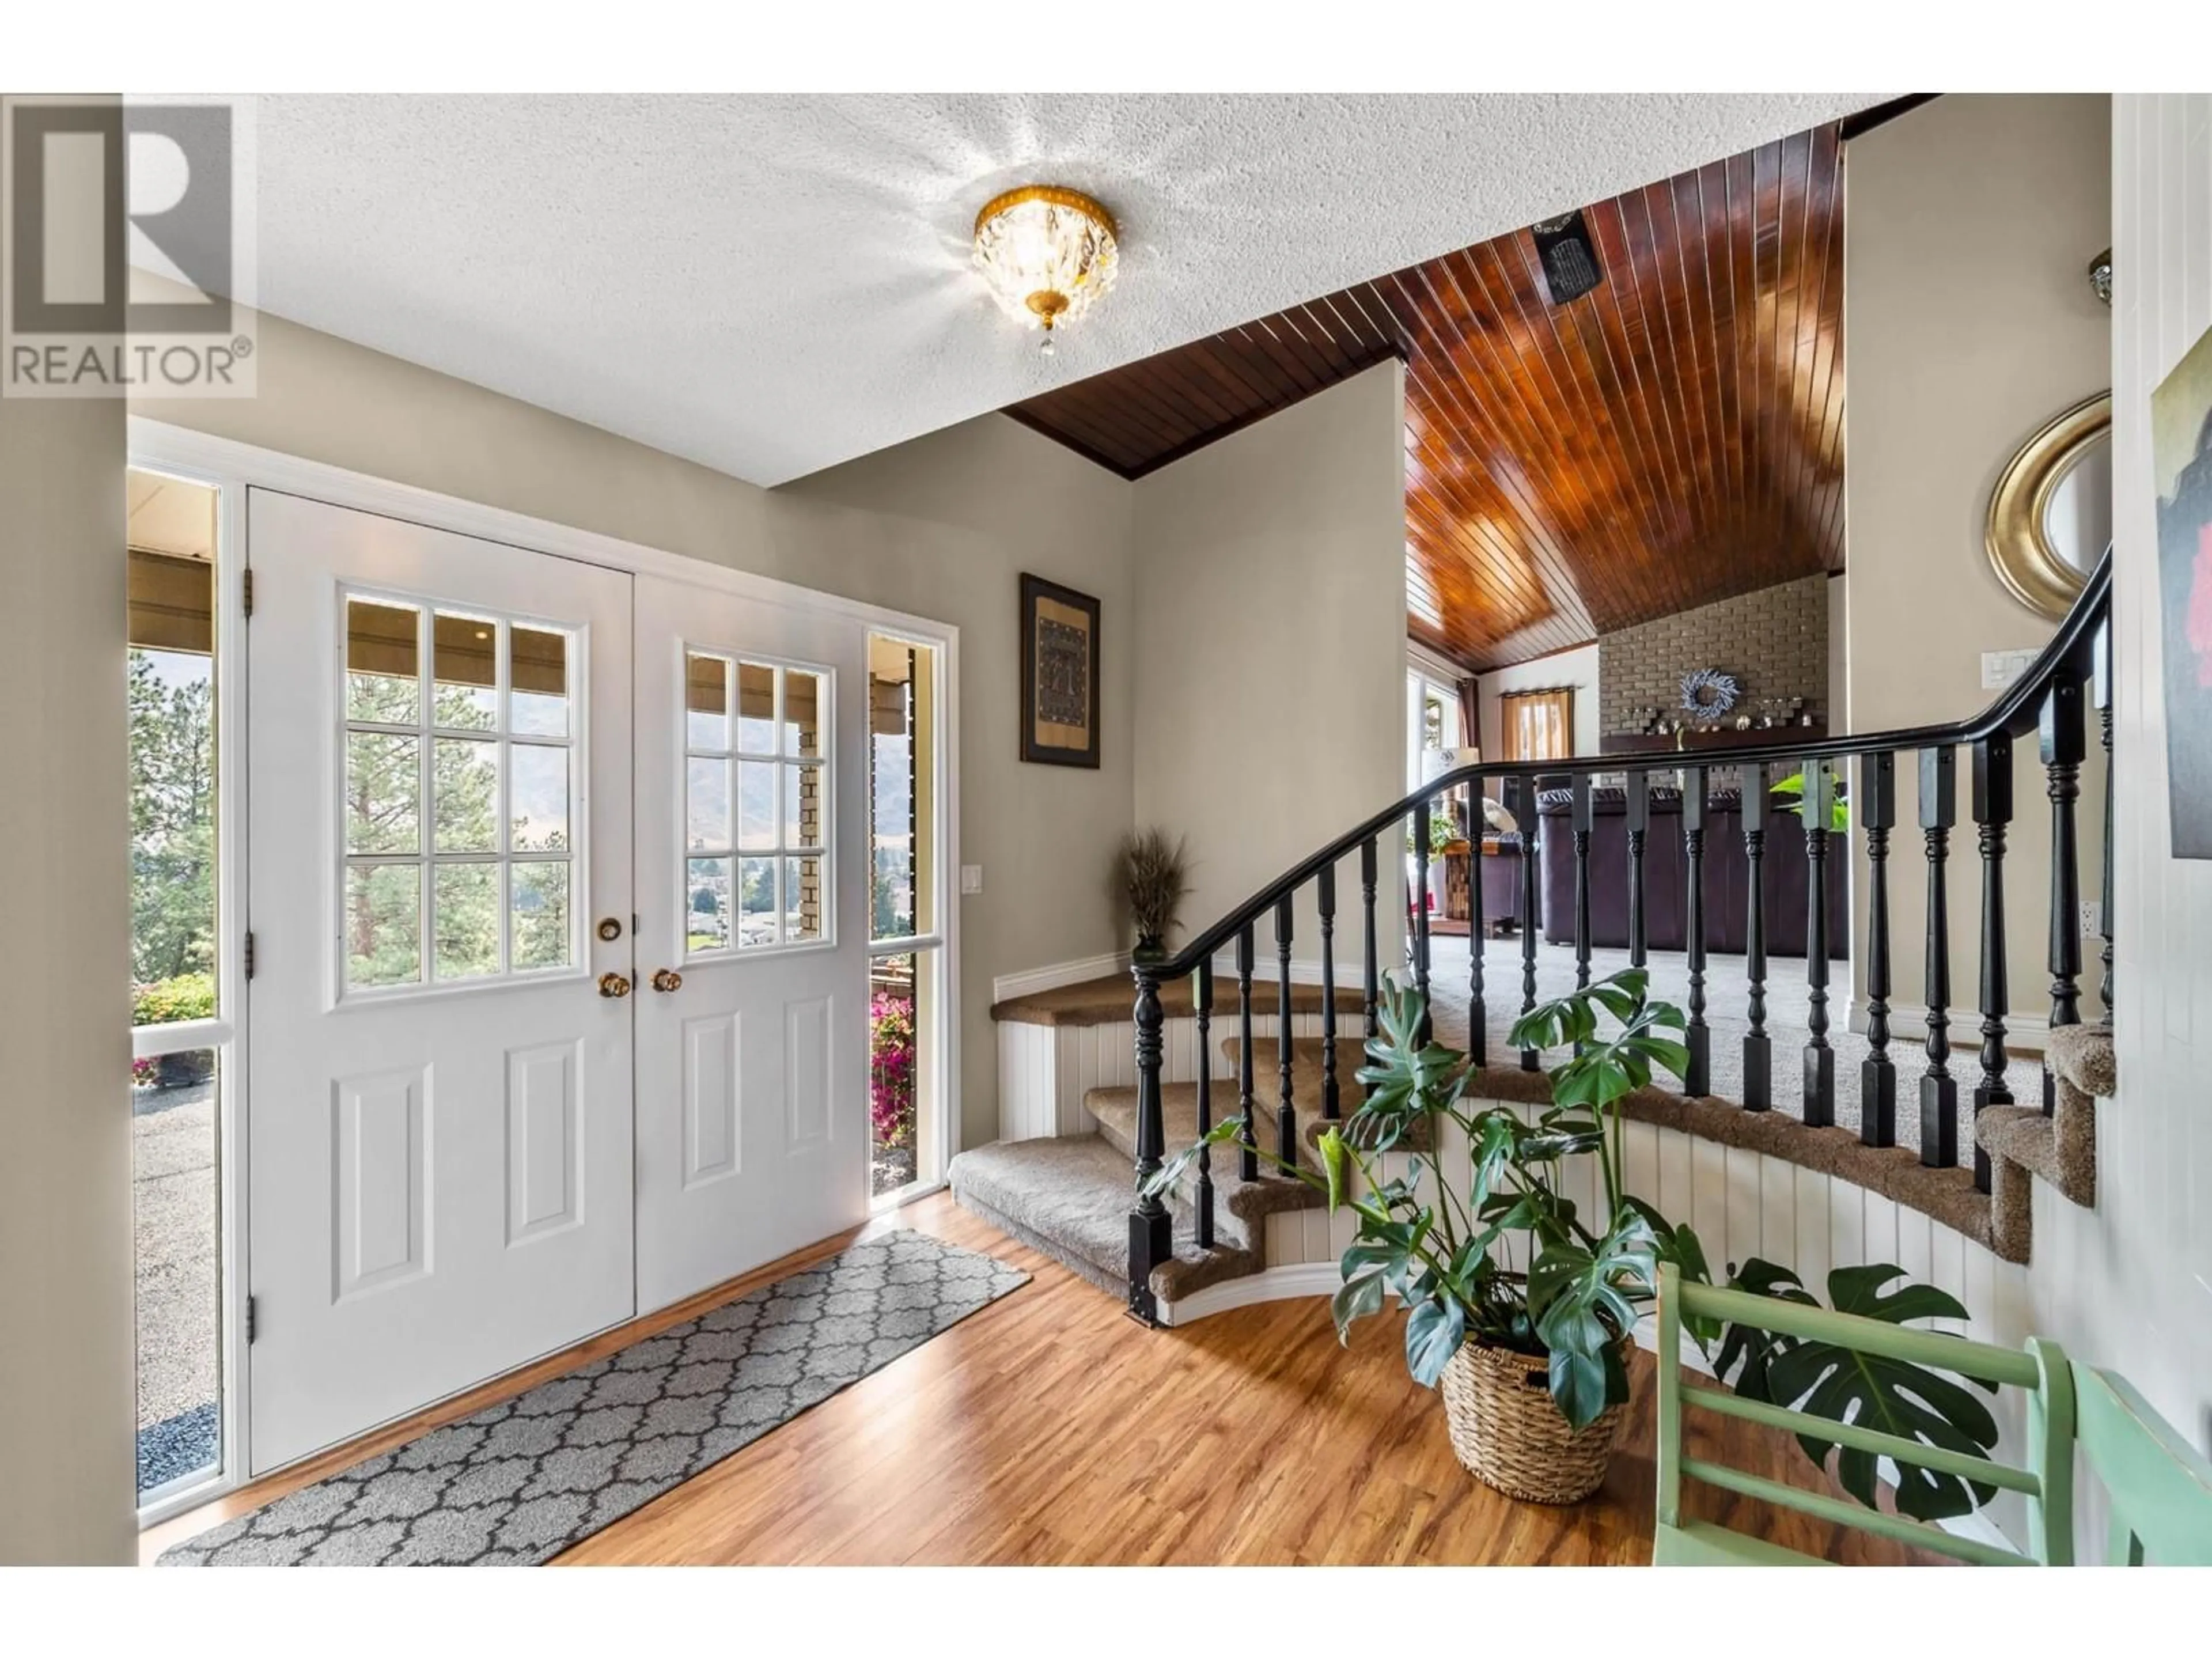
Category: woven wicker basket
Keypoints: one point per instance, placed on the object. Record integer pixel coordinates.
(1507, 1433)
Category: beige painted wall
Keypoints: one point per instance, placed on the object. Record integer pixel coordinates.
(65, 1299)
(1968, 323)
(940, 527)
(1271, 603)
(1576, 669)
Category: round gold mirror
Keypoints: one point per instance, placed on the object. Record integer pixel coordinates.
(2051, 515)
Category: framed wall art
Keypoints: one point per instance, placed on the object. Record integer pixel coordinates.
(1059, 674)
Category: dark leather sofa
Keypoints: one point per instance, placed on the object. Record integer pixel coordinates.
(1666, 875)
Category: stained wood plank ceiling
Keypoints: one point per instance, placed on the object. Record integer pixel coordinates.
(1671, 438)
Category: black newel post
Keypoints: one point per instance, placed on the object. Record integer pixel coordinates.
(1637, 819)
(1286, 1116)
(1202, 1004)
(1698, 1038)
(1758, 1048)
(1939, 1090)
(1876, 812)
(1532, 835)
(1478, 1011)
(1584, 821)
(1421, 915)
(1993, 793)
(1247, 1153)
(1151, 1236)
(1371, 982)
(2102, 680)
(1815, 806)
(2064, 745)
(1325, 893)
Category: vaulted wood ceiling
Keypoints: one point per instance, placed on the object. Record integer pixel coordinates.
(1672, 438)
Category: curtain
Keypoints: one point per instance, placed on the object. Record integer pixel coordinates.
(1537, 725)
(1470, 715)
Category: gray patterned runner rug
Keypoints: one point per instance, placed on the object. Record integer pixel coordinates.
(520, 1481)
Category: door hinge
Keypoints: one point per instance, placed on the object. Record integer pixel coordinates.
(249, 592)
(251, 1321)
(249, 953)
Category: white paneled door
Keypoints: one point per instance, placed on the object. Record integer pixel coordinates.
(439, 1050)
(752, 900)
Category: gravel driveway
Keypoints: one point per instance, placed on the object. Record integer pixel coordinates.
(172, 1135)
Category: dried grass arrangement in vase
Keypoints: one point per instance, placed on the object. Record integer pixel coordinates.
(1151, 876)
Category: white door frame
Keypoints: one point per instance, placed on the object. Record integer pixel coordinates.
(234, 467)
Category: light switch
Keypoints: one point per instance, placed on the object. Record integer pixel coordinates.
(971, 879)
(2000, 668)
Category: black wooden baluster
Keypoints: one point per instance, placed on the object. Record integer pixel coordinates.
(2064, 745)
(1758, 1048)
(1248, 1156)
(1585, 820)
(1698, 1038)
(1993, 786)
(1371, 982)
(1939, 1090)
(1421, 916)
(1637, 818)
(2102, 680)
(1202, 1003)
(1815, 805)
(1286, 1116)
(1478, 1011)
(1151, 1233)
(1876, 811)
(1531, 835)
(1326, 893)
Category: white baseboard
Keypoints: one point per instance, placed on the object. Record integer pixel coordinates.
(1029, 981)
(1284, 1284)
(1910, 1025)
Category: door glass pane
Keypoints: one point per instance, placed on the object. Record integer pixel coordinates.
(464, 794)
(465, 652)
(465, 899)
(707, 790)
(756, 709)
(383, 786)
(178, 1236)
(542, 936)
(802, 713)
(706, 702)
(707, 904)
(802, 806)
(756, 805)
(537, 809)
(803, 899)
(384, 924)
(539, 692)
(383, 679)
(755, 902)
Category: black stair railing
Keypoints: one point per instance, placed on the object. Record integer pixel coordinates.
(2049, 700)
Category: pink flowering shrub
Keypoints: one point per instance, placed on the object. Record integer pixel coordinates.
(890, 1068)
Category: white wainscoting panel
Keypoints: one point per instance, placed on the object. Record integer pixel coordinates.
(1045, 1071)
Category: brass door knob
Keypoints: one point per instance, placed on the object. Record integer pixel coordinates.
(667, 980)
(613, 985)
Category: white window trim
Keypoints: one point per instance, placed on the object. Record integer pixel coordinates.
(235, 467)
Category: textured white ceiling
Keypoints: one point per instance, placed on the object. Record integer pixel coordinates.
(773, 285)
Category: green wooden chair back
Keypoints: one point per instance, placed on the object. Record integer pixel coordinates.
(2045, 1484)
(2158, 1487)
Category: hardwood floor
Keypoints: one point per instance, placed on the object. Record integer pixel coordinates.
(1049, 1428)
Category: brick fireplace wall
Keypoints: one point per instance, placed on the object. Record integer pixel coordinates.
(1775, 642)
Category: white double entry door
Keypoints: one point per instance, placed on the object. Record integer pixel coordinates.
(558, 903)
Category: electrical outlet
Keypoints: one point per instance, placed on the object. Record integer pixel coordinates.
(971, 879)
(2092, 919)
(2000, 668)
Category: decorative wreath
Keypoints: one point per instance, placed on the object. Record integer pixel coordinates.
(1709, 691)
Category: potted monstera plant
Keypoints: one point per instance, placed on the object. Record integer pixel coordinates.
(1519, 1305)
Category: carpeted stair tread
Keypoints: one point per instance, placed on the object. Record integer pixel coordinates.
(1306, 1073)
(1239, 1205)
(1069, 1197)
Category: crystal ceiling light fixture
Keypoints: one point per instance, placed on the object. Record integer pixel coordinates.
(1049, 252)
